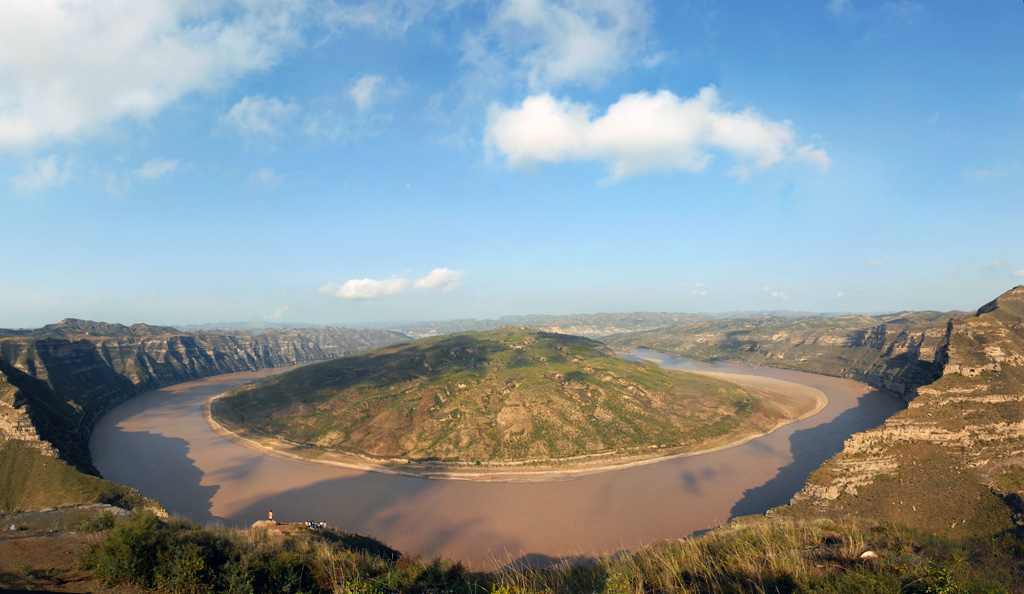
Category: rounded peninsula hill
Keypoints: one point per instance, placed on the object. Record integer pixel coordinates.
(508, 397)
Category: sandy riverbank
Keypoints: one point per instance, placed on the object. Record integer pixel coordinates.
(796, 401)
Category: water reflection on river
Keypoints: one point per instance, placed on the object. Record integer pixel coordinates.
(160, 444)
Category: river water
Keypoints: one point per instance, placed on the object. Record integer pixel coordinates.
(159, 443)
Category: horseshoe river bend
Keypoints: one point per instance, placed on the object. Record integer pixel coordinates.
(160, 444)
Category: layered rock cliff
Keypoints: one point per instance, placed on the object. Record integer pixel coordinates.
(896, 352)
(57, 381)
(964, 433)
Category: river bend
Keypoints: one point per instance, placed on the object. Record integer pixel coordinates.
(159, 443)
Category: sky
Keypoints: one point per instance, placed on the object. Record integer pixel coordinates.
(347, 162)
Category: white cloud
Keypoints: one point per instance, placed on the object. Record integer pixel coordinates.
(277, 314)
(840, 295)
(71, 68)
(1018, 273)
(155, 168)
(366, 90)
(642, 132)
(876, 263)
(699, 293)
(997, 262)
(780, 295)
(571, 41)
(440, 278)
(259, 116)
(365, 288)
(654, 60)
(266, 178)
(47, 172)
(698, 284)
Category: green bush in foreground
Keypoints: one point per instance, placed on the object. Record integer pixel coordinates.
(759, 555)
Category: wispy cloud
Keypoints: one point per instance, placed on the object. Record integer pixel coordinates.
(440, 278)
(277, 315)
(876, 263)
(994, 171)
(1018, 273)
(840, 295)
(265, 178)
(556, 43)
(258, 116)
(43, 173)
(642, 132)
(365, 90)
(155, 168)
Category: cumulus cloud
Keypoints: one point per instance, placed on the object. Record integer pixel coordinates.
(277, 314)
(642, 132)
(571, 41)
(440, 278)
(43, 173)
(72, 68)
(155, 168)
(259, 116)
(365, 90)
(365, 288)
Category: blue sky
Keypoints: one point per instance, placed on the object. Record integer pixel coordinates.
(329, 161)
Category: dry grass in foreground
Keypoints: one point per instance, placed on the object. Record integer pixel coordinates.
(757, 554)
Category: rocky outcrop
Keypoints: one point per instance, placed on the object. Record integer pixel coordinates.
(973, 412)
(56, 382)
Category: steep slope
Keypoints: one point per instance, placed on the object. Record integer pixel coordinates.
(56, 382)
(896, 352)
(497, 397)
(936, 464)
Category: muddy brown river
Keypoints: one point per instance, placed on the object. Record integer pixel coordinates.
(159, 443)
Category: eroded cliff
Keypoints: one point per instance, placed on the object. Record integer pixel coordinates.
(937, 463)
(55, 382)
(896, 352)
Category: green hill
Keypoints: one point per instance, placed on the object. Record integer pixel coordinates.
(496, 397)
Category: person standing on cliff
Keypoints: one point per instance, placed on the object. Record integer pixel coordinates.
(270, 515)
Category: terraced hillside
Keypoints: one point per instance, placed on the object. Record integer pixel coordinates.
(508, 395)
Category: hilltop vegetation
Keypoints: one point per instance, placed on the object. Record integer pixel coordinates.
(496, 397)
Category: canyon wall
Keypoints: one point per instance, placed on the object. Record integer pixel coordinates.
(57, 381)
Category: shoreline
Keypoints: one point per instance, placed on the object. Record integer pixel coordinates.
(545, 470)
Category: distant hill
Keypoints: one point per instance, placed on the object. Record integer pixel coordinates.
(494, 397)
(897, 352)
